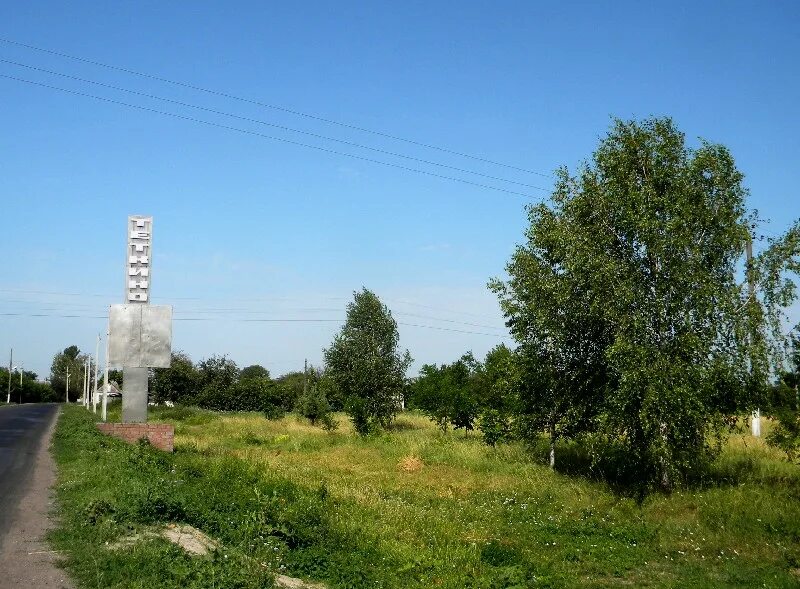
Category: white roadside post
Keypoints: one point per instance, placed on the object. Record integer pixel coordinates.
(106, 386)
(755, 423)
(96, 367)
(10, 362)
(88, 381)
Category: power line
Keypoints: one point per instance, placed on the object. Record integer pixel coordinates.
(454, 330)
(273, 125)
(230, 312)
(437, 308)
(272, 106)
(292, 320)
(240, 300)
(264, 136)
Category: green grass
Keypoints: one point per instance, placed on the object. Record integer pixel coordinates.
(408, 508)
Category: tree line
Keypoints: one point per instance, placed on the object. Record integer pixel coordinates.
(25, 387)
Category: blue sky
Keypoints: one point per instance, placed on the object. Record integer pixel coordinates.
(247, 227)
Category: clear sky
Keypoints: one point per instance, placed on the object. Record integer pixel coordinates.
(253, 228)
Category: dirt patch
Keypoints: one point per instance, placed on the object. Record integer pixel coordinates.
(133, 540)
(190, 539)
(292, 583)
(410, 464)
(196, 543)
(187, 537)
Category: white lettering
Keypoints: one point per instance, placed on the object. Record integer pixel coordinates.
(137, 281)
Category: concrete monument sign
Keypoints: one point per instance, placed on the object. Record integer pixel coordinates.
(140, 334)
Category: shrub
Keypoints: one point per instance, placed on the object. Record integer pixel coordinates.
(495, 427)
(359, 415)
(786, 433)
(313, 405)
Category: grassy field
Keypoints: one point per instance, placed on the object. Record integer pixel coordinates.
(411, 507)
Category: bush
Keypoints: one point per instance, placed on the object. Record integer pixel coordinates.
(247, 395)
(360, 415)
(495, 427)
(786, 433)
(313, 405)
(449, 394)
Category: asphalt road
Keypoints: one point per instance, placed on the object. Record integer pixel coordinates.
(27, 473)
(21, 431)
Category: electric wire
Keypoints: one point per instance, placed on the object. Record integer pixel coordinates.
(237, 300)
(231, 312)
(258, 320)
(265, 136)
(273, 125)
(271, 106)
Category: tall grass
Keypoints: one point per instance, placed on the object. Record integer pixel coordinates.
(412, 507)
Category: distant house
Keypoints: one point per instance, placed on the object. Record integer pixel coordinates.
(114, 390)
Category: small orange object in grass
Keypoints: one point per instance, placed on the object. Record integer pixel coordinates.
(410, 464)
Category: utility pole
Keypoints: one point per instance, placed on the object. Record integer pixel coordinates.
(755, 422)
(106, 386)
(305, 377)
(21, 370)
(67, 393)
(10, 363)
(88, 381)
(96, 367)
(87, 366)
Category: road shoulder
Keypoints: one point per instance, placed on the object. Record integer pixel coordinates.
(25, 557)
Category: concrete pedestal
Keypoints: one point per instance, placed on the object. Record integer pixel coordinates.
(134, 395)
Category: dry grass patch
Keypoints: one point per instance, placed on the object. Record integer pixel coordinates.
(410, 464)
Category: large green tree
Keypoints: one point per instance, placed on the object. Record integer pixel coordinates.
(628, 297)
(180, 383)
(70, 359)
(365, 363)
(450, 394)
(254, 371)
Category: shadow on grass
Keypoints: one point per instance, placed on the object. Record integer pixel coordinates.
(402, 425)
(596, 461)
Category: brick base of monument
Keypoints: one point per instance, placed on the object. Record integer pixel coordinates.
(160, 435)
